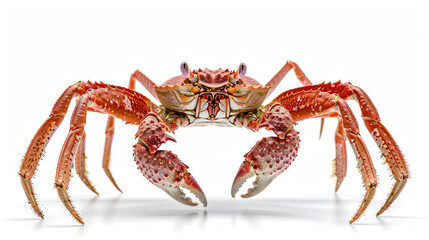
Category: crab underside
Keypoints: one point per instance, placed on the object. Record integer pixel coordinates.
(215, 97)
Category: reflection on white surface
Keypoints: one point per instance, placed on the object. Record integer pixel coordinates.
(237, 213)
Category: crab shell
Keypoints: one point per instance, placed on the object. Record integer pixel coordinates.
(230, 92)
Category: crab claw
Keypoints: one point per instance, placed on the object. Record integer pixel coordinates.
(267, 159)
(166, 171)
(245, 172)
(189, 183)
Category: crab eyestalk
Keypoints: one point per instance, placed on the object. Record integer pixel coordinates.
(267, 159)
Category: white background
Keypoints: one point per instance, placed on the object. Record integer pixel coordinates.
(380, 47)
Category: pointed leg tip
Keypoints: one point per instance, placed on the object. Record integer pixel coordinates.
(40, 214)
(380, 212)
(112, 180)
(338, 185)
(29, 192)
(62, 193)
(117, 187)
(79, 220)
(89, 184)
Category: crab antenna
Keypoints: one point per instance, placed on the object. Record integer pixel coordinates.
(242, 69)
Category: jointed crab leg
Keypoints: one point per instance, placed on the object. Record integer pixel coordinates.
(110, 130)
(81, 165)
(381, 135)
(40, 141)
(274, 82)
(110, 127)
(386, 143)
(68, 153)
(97, 97)
(304, 103)
(364, 159)
(340, 154)
(340, 161)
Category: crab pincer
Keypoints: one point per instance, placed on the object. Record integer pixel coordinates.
(267, 159)
(164, 168)
(166, 171)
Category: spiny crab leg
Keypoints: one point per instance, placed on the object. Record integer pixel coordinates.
(364, 159)
(39, 143)
(97, 97)
(340, 162)
(281, 74)
(68, 152)
(81, 165)
(381, 135)
(163, 168)
(386, 143)
(274, 82)
(110, 130)
(300, 104)
(110, 127)
(339, 168)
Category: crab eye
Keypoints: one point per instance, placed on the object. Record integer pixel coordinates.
(242, 70)
(184, 68)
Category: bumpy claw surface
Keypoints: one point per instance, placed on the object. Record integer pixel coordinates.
(267, 159)
(152, 134)
(278, 120)
(166, 171)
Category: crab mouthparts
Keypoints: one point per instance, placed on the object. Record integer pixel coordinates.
(211, 103)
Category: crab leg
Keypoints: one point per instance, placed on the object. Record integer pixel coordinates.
(340, 161)
(110, 130)
(386, 143)
(40, 141)
(163, 168)
(304, 103)
(81, 166)
(274, 82)
(96, 97)
(381, 135)
(364, 159)
(110, 127)
(68, 153)
(340, 165)
(105, 99)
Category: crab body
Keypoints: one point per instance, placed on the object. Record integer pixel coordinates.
(211, 97)
(214, 97)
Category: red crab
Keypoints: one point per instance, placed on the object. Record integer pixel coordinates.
(216, 97)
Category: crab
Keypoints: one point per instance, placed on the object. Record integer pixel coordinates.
(221, 98)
